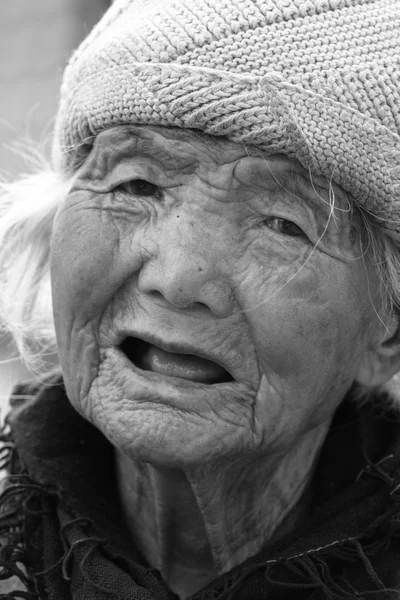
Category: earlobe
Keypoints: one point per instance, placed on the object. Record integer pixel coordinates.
(381, 360)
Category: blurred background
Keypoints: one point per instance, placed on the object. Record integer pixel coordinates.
(36, 39)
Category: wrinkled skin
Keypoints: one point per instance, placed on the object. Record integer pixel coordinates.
(201, 264)
(241, 257)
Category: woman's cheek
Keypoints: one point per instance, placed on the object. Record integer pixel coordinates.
(304, 373)
(305, 328)
(89, 257)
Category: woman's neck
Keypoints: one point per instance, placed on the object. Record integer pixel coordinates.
(162, 514)
(197, 524)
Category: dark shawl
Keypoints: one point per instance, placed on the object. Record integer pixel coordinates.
(62, 534)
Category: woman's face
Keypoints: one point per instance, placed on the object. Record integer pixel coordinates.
(209, 302)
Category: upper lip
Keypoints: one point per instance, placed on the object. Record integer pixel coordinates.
(178, 348)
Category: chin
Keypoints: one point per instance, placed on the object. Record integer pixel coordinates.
(170, 444)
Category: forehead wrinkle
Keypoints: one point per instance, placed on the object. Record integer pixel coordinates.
(179, 134)
(169, 156)
(177, 142)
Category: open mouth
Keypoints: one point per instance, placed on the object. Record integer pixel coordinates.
(148, 357)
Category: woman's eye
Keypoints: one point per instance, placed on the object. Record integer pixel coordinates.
(285, 227)
(140, 187)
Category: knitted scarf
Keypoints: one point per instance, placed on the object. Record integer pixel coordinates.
(62, 535)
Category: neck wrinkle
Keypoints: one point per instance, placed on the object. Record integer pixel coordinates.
(247, 506)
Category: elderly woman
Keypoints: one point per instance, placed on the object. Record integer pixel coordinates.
(214, 252)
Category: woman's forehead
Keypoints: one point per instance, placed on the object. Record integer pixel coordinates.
(183, 146)
(165, 141)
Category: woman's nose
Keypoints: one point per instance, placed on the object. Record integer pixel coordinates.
(185, 277)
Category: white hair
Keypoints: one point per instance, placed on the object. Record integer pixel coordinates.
(27, 209)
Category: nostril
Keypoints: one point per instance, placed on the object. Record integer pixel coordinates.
(156, 295)
(179, 300)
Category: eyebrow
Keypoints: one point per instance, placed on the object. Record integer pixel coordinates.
(289, 178)
(302, 179)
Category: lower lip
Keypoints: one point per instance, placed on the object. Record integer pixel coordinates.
(148, 387)
(184, 366)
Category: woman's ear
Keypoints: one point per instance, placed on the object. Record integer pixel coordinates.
(381, 358)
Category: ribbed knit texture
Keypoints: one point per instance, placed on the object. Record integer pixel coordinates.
(316, 80)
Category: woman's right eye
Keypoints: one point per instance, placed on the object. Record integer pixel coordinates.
(140, 187)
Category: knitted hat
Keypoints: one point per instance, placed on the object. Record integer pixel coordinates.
(315, 80)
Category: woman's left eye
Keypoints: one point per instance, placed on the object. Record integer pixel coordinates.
(140, 187)
(285, 227)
